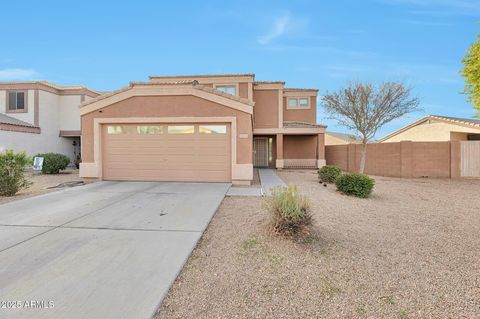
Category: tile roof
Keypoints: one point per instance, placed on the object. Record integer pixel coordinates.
(5, 119)
(474, 122)
(300, 89)
(200, 76)
(295, 124)
(345, 137)
(194, 84)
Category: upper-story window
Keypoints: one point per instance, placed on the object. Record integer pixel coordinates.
(16, 101)
(298, 103)
(229, 89)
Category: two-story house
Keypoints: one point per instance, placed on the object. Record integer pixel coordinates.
(199, 128)
(38, 117)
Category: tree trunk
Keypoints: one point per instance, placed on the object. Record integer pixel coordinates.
(363, 158)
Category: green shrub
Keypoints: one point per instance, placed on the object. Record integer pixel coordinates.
(12, 167)
(359, 185)
(329, 173)
(53, 163)
(289, 211)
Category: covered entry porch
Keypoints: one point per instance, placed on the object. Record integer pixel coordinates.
(296, 145)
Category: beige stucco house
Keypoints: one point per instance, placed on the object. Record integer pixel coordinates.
(199, 128)
(39, 116)
(335, 138)
(436, 128)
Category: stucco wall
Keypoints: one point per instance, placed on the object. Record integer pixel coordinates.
(301, 115)
(55, 113)
(332, 140)
(266, 108)
(436, 131)
(169, 106)
(299, 146)
(26, 117)
(69, 112)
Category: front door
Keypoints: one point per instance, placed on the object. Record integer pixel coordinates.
(260, 152)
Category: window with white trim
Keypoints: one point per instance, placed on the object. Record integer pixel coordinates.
(229, 89)
(16, 101)
(298, 103)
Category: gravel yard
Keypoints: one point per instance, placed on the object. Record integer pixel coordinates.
(41, 182)
(412, 250)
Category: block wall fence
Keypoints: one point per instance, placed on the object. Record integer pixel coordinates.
(402, 159)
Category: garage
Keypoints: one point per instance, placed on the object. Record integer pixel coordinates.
(167, 152)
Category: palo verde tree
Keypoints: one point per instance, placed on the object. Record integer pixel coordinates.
(471, 73)
(365, 108)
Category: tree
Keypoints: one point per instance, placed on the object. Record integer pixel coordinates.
(365, 108)
(471, 73)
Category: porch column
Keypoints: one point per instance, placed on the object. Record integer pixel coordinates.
(321, 150)
(279, 161)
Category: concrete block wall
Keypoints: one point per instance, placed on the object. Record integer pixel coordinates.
(401, 159)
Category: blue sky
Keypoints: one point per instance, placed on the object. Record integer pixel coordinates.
(322, 44)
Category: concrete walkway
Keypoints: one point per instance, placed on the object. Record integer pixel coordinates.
(245, 191)
(269, 179)
(104, 250)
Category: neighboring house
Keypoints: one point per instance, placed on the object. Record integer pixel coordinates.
(200, 128)
(39, 116)
(334, 138)
(436, 128)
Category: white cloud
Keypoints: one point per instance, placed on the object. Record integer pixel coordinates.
(279, 27)
(17, 74)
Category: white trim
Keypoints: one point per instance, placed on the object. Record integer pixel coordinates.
(236, 85)
(162, 91)
(299, 107)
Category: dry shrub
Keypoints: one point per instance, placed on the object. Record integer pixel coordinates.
(289, 211)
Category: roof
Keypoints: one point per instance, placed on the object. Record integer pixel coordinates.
(52, 86)
(300, 89)
(295, 124)
(346, 137)
(465, 122)
(200, 76)
(5, 119)
(191, 83)
(269, 82)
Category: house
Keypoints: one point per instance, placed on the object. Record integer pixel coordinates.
(335, 138)
(39, 116)
(199, 128)
(437, 128)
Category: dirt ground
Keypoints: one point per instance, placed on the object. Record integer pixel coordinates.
(412, 250)
(41, 182)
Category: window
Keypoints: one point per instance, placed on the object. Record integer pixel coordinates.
(120, 129)
(212, 129)
(149, 129)
(229, 89)
(303, 102)
(298, 103)
(16, 102)
(181, 129)
(292, 103)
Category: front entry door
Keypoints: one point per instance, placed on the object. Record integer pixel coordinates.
(260, 152)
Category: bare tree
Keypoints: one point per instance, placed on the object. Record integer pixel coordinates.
(365, 108)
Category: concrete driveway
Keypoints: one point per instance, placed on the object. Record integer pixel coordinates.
(104, 250)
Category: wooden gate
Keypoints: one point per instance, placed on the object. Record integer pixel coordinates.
(470, 158)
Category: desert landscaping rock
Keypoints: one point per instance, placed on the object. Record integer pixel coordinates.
(409, 251)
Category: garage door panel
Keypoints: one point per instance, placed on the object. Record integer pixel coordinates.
(167, 157)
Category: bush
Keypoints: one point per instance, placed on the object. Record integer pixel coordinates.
(359, 185)
(329, 173)
(289, 211)
(54, 162)
(12, 167)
